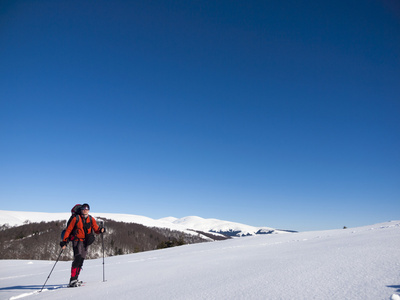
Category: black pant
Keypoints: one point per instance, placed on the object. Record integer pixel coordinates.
(80, 251)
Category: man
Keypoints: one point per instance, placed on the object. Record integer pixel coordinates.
(80, 229)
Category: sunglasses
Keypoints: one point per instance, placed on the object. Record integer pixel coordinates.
(85, 208)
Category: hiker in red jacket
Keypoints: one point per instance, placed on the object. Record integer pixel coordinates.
(80, 232)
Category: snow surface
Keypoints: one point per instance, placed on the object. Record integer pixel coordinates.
(14, 218)
(358, 263)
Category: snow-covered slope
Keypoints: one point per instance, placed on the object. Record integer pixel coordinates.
(186, 224)
(219, 226)
(16, 218)
(357, 264)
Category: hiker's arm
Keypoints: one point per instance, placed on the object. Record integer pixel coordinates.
(69, 230)
(96, 227)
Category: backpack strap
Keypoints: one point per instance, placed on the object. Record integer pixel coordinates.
(85, 225)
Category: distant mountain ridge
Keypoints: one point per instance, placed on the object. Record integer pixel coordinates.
(228, 228)
(190, 224)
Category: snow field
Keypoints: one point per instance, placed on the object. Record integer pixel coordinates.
(361, 263)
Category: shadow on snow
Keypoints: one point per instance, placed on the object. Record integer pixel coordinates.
(33, 287)
(395, 287)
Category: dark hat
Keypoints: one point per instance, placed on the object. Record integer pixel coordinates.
(84, 205)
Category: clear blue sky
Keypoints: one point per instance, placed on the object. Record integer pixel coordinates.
(269, 113)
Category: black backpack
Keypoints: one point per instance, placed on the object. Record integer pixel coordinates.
(75, 213)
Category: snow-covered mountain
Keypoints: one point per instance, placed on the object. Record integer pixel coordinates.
(355, 263)
(219, 226)
(186, 224)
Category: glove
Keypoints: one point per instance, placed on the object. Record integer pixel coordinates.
(62, 244)
(102, 230)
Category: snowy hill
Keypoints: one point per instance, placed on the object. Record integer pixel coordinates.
(219, 226)
(186, 224)
(359, 263)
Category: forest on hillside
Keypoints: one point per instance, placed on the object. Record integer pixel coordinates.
(40, 241)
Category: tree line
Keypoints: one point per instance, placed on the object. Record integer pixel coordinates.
(40, 241)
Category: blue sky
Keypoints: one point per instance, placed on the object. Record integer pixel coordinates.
(260, 112)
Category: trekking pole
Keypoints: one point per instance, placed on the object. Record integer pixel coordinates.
(102, 242)
(52, 269)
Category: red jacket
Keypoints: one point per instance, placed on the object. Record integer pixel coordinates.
(80, 232)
